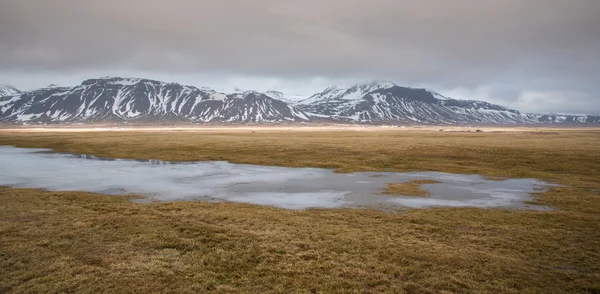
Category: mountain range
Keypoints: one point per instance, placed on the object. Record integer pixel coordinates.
(115, 99)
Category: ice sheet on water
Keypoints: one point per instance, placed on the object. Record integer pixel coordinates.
(290, 188)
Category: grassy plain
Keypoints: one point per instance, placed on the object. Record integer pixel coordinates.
(411, 188)
(81, 242)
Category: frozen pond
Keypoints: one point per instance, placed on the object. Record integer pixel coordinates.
(291, 188)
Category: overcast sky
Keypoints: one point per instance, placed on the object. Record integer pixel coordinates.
(533, 55)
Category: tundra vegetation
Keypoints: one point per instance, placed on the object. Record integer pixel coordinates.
(410, 188)
(82, 242)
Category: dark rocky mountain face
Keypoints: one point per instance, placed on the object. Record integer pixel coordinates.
(118, 99)
(142, 100)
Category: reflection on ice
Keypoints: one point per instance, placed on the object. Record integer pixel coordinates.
(291, 188)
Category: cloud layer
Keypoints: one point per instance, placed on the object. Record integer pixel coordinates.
(505, 51)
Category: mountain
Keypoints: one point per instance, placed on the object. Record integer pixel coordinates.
(142, 100)
(8, 91)
(126, 99)
(285, 97)
(333, 101)
(385, 101)
(568, 119)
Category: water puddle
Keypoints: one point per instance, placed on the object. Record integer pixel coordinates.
(290, 188)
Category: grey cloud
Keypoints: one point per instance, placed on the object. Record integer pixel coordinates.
(514, 45)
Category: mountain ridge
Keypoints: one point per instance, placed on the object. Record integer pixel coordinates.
(145, 100)
(6, 90)
(129, 99)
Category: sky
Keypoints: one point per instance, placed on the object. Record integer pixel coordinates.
(535, 55)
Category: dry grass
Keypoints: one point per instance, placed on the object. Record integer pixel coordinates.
(80, 242)
(411, 188)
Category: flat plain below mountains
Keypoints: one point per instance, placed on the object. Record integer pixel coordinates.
(82, 242)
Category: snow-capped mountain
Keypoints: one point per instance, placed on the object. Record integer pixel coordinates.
(568, 119)
(125, 99)
(333, 101)
(8, 91)
(285, 97)
(143, 100)
(385, 101)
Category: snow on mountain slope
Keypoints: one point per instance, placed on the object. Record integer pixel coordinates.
(385, 101)
(143, 100)
(285, 97)
(121, 99)
(333, 98)
(8, 91)
(568, 119)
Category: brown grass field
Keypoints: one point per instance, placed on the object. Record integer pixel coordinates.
(411, 188)
(80, 242)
